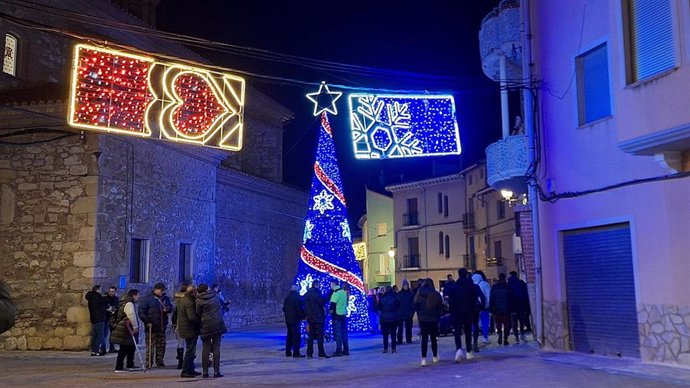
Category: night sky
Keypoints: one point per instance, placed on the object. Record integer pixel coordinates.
(437, 38)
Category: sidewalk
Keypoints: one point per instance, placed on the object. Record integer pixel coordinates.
(255, 357)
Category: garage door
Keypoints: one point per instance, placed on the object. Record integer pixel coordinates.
(600, 290)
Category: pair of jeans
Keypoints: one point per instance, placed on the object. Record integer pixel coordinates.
(502, 325)
(429, 331)
(484, 320)
(292, 340)
(97, 336)
(315, 332)
(155, 349)
(388, 329)
(340, 333)
(189, 355)
(520, 321)
(407, 323)
(211, 346)
(125, 351)
(462, 324)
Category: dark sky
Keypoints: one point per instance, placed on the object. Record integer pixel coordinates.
(431, 37)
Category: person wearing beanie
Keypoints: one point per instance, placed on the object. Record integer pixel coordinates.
(406, 312)
(153, 312)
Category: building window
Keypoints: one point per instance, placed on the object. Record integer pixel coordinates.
(593, 90)
(384, 264)
(412, 260)
(500, 210)
(470, 205)
(481, 173)
(381, 229)
(470, 179)
(440, 203)
(440, 243)
(139, 261)
(445, 206)
(472, 248)
(9, 62)
(498, 249)
(649, 38)
(186, 263)
(411, 217)
(447, 246)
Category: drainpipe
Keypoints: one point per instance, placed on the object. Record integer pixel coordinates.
(533, 197)
(505, 119)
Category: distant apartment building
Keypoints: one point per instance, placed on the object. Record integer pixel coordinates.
(378, 263)
(429, 240)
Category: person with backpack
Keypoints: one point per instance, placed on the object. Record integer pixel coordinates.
(482, 314)
(429, 306)
(212, 327)
(315, 308)
(125, 330)
(520, 319)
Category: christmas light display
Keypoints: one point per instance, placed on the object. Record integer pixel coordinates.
(400, 126)
(327, 252)
(114, 91)
(324, 100)
(360, 250)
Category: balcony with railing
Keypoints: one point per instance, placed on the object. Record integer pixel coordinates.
(494, 262)
(500, 40)
(470, 261)
(411, 261)
(507, 161)
(468, 221)
(410, 219)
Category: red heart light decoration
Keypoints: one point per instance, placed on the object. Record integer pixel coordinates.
(198, 106)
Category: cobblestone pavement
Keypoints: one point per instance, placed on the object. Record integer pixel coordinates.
(256, 358)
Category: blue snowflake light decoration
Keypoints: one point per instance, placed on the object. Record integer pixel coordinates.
(401, 126)
(326, 253)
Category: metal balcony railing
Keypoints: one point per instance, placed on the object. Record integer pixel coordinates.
(411, 261)
(470, 261)
(494, 261)
(468, 221)
(410, 219)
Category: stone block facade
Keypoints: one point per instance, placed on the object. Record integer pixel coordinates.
(556, 331)
(664, 333)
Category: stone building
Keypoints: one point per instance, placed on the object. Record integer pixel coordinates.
(81, 208)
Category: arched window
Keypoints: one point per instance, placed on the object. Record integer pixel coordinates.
(447, 246)
(440, 243)
(9, 61)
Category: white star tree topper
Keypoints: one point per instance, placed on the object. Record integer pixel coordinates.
(326, 95)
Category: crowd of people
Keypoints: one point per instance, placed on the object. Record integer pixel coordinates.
(468, 307)
(198, 313)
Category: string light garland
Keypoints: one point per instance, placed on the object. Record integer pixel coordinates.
(327, 253)
(120, 92)
(402, 126)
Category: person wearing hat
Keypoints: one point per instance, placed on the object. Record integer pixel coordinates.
(153, 312)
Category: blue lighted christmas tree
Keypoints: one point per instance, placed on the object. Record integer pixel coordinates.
(326, 251)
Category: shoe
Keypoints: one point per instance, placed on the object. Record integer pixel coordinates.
(393, 350)
(337, 354)
(385, 350)
(469, 355)
(217, 375)
(103, 353)
(486, 341)
(459, 355)
(500, 341)
(475, 349)
(95, 354)
(523, 338)
(204, 375)
(309, 356)
(120, 371)
(517, 340)
(435, 360)
(346, 353)
(188, 375)
(298, 356)
(112, 350)
(423, 362)
(505, 342)
(409, 342)
(288, 354)
(160, 364)
(197, 373)
(324, 356)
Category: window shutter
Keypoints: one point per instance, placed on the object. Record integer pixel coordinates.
(651, 40)
(594, 94)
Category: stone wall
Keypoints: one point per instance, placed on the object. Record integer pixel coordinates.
(259, 232)
(556, 331)
(47, 227)
(664, 333)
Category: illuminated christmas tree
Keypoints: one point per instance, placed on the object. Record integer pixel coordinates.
(326, 252)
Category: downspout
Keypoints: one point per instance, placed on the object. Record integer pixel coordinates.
(533, 197)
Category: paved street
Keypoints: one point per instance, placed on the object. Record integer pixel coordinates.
(256, 358)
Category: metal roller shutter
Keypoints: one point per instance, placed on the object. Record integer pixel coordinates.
(600, 290)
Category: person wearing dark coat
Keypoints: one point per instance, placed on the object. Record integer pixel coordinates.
(429, 306)
(315, 308)
(153, 311)
(463, 300)
(113, 302)
(126, 330)
(502, 305)
(388, 308)
(188, 329)
(406, 312)
(294, 314)
(212, 327)
(98, 313)
(8, 310)
(520, 317)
